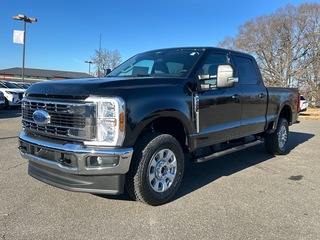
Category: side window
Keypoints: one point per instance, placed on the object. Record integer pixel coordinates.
(246, 70)
(210, 65)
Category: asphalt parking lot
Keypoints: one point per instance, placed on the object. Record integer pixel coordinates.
(246, 195)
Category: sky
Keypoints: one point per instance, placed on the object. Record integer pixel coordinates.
(68, 32)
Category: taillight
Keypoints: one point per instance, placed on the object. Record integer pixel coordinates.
(298, 102)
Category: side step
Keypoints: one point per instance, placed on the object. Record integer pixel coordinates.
(227, 151)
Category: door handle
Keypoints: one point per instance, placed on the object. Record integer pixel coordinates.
(261, 95)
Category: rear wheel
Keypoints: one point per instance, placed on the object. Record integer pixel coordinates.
(157, 169)
(276, 142)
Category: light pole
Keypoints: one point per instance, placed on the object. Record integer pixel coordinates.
(22, 17)
(89, 62)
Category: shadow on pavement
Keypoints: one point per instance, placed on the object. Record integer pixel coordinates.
(197, 175)
(10, 113)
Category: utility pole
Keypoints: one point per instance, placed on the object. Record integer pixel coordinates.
(22, 17)
(89, 62)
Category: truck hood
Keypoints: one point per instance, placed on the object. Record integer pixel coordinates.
(83, 88)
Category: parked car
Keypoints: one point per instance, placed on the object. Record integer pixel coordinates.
(303, 104)
(21, 85)
(13, 94)
(2, 100)
(134, 128)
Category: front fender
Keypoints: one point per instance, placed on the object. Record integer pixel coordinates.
(149, 112)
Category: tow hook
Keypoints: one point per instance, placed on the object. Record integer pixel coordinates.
(65, 161)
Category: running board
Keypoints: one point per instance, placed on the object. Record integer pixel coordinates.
(227, 151)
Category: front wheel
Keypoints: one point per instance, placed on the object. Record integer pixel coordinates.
(157, 169)
(276, 142)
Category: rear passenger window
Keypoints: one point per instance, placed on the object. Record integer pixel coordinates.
(246, 71)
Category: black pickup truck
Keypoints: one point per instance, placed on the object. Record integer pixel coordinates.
(136, 127)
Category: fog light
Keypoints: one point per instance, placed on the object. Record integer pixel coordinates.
(101, 161)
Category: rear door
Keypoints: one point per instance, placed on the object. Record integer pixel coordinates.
(254, 95)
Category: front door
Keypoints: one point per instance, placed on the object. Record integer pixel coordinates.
(219, 110)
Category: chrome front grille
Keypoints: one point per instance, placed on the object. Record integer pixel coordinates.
(67, 120)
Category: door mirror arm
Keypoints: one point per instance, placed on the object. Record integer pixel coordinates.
(224, 79)
(203, 85)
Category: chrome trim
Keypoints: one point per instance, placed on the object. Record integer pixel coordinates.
(80, 152)
(64, 123)
(196, 102)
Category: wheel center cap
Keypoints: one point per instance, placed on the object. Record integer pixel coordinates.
(161, 169)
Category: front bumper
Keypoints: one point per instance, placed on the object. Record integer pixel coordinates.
(66, 165)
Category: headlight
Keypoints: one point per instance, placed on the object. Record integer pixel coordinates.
(110, 120)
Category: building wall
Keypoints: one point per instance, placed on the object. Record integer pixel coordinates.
(18, 78)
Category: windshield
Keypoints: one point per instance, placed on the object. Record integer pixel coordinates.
(8, 85)
(162, 63)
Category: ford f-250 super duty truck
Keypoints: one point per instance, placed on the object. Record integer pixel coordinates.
(136, 127)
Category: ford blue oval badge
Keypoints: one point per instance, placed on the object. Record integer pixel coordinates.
(41, 117)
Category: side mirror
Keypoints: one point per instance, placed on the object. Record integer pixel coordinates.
(108, 71)
(225, 76)
(223, 79)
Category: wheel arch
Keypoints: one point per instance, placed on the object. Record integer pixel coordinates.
(285, 112)
(177, 125)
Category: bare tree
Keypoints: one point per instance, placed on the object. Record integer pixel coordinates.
(286, 46)
(104, 60)
(310, 76)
